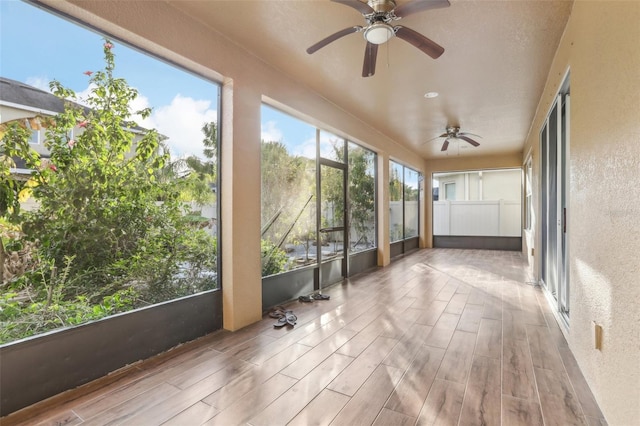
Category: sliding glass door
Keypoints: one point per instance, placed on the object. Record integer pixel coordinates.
(554, 144)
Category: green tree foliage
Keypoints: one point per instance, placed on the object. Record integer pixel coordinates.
(199, 176)
(361, 183)
(395, 184)
(288, 197)
(189, 177)
(333, 185)
(284, 179)
(105, 216)
(361, 194)
(210, 142)
(15, 144)
(288, 189)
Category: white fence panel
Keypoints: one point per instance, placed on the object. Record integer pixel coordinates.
(472, 218)
(477, 218)
(441, 217)
(510, 219)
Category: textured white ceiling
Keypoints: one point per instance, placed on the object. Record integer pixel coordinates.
(490, 77)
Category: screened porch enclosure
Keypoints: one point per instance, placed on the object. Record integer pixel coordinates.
(318, 209)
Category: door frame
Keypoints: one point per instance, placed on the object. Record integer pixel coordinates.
(554, 267)
(329, 272)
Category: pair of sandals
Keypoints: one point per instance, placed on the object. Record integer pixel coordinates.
(315, 296)
(284, 316)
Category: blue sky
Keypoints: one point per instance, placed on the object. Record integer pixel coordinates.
(298, 136)
(35, 44)
(37, 47)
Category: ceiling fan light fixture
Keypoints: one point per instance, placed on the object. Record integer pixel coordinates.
(378, 33)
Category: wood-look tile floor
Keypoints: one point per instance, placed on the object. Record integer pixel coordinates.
(440, 337)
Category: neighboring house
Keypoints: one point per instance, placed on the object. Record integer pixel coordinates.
(488, 185)
(20, 101)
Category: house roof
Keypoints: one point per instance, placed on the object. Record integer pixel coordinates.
(22, 94)
(19, 93)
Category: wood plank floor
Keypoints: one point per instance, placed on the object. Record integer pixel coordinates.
(440, 337)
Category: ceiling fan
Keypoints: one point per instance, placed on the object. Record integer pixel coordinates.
(379, 15)
(455, 133)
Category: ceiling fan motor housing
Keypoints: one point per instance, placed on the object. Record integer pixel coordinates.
(382, 6)
(452, 131)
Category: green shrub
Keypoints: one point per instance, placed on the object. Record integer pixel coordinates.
(274, 259)
(112, 231)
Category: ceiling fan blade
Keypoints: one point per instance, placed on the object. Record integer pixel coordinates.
(444, 135)
(333, 37)
(361, 7)
(469, 134)
(370, 56)
(418, 6)
(428, 46)
(445, 145)
(471, 141)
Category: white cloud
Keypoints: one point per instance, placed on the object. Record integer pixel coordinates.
(42, 83)
(181, 121)
(83, 96)
(39, 82)
(269, 132)
(305, 149)
(139, 103)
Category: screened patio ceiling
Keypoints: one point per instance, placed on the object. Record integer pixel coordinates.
(489, 79)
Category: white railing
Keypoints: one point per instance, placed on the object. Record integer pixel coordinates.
(477, 218)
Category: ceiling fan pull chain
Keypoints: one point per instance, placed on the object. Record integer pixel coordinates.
(387, 48)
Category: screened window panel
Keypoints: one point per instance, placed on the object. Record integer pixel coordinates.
(411, 202)
(396, 202)
(362, 196)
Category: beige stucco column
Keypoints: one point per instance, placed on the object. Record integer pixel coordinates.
(384, 254)
(427, 207)
(240, 201)
(425, 219)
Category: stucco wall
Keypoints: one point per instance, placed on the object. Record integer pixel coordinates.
(496, 185)
(601, 47)
(502, 185)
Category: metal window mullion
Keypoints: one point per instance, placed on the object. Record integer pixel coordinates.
(346, 208)
(319, 162)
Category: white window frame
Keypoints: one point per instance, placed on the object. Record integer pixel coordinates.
(528, 202)
(444, 184)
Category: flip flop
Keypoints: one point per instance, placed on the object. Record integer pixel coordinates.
(319, 296)
(282, 321)
(291, 318)
(277, 312)
(305, 299)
